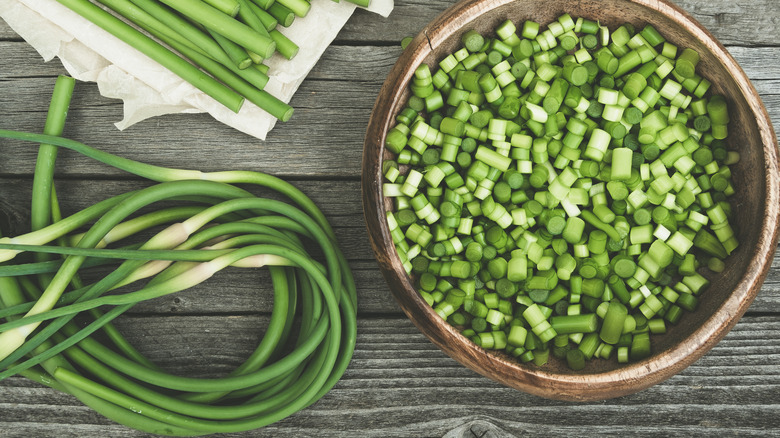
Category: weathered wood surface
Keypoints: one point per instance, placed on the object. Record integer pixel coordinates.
(398, 383)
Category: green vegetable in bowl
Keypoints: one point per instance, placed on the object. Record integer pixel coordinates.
(557, 189)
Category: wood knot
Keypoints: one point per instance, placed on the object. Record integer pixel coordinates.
(479, 428)
(12, 221)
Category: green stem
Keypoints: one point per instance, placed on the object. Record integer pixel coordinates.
(227, 7)
(238, 55)
(203, 50)
(225, 25)
(156, 52)
(298, 7)
(43, 179)
(157, 173)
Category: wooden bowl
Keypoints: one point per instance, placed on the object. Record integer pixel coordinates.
(756, 203)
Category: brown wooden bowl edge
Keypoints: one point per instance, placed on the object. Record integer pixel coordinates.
(537, 381)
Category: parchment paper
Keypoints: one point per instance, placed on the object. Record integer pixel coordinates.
(146, 88)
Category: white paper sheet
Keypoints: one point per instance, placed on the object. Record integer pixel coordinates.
(146, 88)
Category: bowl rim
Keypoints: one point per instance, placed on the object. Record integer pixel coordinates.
(573, 387)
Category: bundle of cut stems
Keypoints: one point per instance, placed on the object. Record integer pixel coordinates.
(218, 46)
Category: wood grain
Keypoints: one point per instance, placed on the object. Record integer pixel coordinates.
(743, 23)
(399, 384)
(752, 23)
(285, 152)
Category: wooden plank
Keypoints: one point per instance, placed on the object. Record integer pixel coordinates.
(753, 62)
(284, 154)
(733, 23)
(751, 23)
(241, 290)
(741, 23)
(338, 200)
(353, 63)
(332, 109)
(399, 384)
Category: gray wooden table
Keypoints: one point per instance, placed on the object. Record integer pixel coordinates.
(398, 383)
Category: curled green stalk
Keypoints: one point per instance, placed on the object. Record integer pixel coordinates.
(221, 226)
